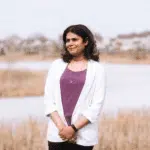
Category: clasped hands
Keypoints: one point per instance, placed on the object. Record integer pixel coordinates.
(67, 133)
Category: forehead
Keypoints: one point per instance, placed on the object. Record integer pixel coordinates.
(71, 35)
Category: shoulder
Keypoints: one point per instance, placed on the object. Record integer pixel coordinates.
(100, 71)
(57, 62)
(100, 67)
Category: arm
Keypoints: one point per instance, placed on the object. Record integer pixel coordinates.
(57, 120)
(94, 110)
(49, 102)
(50, 105)
(81, 122)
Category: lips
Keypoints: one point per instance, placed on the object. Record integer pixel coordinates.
(71, 48)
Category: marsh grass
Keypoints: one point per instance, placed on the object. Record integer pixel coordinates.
(27, 135)
(128, 130)
(21, 83)
(131, 57)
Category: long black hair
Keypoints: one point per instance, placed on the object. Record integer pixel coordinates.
(90, 51)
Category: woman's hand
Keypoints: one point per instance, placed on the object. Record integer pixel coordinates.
(73, 140)
(67, 133)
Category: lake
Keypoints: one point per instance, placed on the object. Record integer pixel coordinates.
(128, 86)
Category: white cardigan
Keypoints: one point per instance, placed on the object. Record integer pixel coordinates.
(89, 104)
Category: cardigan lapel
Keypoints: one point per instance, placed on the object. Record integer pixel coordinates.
(90, 76)
(62, 66)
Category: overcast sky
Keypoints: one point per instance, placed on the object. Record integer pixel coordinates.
(51, 17)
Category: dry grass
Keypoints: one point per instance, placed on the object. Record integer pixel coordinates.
(27, 135)
(120, 57)
(125, 58)
(12, 57)
(21, 83)
(129, 130)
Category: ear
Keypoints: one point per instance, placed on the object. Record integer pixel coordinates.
(86, 42)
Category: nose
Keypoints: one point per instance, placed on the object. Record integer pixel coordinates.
(70, 43)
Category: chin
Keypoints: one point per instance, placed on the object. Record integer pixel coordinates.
(73, 54)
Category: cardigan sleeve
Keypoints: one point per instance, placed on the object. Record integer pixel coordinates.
(49, 102)
(95, 107)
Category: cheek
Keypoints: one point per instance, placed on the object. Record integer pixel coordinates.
(82, 47)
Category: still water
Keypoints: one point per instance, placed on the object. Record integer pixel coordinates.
(128, 86)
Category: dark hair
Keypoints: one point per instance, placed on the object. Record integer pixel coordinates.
(90, 51)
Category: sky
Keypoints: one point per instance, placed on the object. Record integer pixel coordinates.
(50, 17)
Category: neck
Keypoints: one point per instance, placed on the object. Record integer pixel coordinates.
(79, 58)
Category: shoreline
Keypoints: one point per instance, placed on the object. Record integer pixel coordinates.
(114, 58)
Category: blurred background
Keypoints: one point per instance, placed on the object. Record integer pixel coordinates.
(31, 38)
(35, 26)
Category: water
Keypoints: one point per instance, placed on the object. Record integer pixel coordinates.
(30, 65)
(128, 86)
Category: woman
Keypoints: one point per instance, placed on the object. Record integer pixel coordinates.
(74, 93)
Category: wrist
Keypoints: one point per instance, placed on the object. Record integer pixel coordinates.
(74, 128)
(60, 127)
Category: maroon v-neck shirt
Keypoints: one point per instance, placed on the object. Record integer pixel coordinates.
(71, 84)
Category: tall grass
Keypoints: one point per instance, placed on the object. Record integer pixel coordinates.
(21, 83)
(27, 135)
(128, 130)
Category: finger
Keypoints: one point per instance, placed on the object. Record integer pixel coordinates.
(72, 141)
(63, 138)
(75, 137)
(60, 132)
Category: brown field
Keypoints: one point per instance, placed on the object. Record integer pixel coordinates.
(125, 58)
(120, 57)
(21, 83)
(129, 130)
(12, 57)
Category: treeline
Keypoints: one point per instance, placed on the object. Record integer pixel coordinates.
(44, 46)
(37, 44)
(134, 35)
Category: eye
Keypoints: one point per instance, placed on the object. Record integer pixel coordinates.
(67, 40)
(74, 39)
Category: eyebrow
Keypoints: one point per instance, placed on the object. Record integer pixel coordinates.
(71, 39)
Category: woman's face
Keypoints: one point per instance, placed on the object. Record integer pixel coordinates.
(75, 44)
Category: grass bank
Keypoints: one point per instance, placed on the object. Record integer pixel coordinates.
(21, 83)
(117, 57)
(125, 58)
(129, 130)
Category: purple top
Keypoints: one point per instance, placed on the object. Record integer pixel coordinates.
(71, 84)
